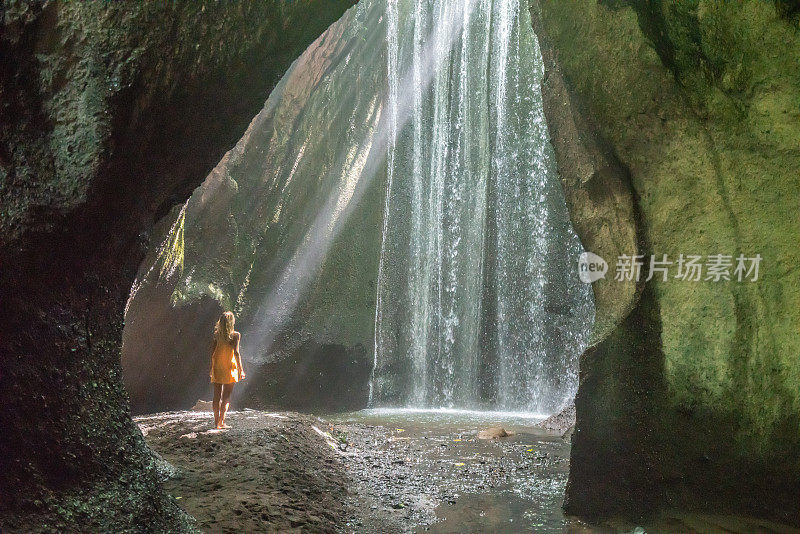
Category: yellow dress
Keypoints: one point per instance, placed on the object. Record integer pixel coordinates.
(223, 363)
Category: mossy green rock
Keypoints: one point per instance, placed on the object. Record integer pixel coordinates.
(700, 101)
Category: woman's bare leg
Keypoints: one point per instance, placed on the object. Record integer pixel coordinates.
(215, 403)
(227, 389)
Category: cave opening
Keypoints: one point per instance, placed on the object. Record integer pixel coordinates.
(392, 237)
(412, 233)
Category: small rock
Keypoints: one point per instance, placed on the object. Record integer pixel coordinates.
(203, 406)
(495, 432)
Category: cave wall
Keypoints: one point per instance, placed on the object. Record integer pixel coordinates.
(259, 238)
(111, 113)
(690, 399)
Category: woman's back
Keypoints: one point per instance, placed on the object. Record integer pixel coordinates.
(226, 366)
(223, 367)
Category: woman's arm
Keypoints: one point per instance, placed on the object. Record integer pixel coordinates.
(238, 357)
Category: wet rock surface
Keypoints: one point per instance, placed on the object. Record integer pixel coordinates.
(285, 471)
(443, 478)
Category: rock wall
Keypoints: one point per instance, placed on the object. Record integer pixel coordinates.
(282, 234)
(111, 113)
(690, 399)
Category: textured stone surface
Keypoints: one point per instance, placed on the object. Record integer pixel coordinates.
(693, 400)
(261, 239)
(111, 112)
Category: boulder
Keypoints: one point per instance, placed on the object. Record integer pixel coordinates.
(495, 432)
(688, 396)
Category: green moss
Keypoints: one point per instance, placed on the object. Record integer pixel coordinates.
(171, 254)
(701, 101)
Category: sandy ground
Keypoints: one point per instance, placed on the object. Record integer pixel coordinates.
(268, 473)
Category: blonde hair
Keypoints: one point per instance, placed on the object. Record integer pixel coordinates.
(223, 330)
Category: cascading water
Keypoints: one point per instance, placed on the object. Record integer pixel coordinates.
(478, 301)
(406, 146)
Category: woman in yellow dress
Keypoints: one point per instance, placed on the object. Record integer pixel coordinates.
(226, 366)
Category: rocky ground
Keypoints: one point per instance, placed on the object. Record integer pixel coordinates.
(282, 472)
(445, 479)
(289, 472)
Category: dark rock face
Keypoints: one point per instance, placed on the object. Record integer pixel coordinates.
(319, 377)
(689, 398)
(109, 116)
(603, 205)
(264, 237)
(171, 365)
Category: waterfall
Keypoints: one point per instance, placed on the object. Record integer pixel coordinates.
(398, 191)
(478, 301)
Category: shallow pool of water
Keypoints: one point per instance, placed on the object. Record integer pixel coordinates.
(427, 470)
(443, 418)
